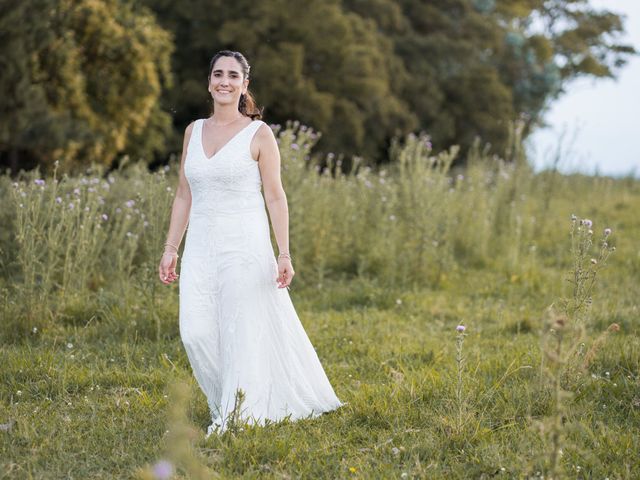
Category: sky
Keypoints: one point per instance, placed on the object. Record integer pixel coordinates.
(596, 123)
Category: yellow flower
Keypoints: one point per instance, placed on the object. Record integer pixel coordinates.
(352, 469)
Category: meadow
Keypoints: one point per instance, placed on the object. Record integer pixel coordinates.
(480, 322)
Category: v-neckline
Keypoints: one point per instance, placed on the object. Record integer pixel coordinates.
(224, 146)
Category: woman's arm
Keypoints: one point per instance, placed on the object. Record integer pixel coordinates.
(179, 218)
(275, 198)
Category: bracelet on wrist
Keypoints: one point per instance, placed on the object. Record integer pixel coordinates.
(285, 255)
(171, 245)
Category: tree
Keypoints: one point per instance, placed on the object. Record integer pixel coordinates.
(81, 81)
(310, 61)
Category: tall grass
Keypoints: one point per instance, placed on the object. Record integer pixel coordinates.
(412, 222)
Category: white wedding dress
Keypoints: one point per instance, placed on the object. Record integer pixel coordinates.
(239, 330)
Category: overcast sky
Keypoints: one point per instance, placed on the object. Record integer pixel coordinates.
(597, 122)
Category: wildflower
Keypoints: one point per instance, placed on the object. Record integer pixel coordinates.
(129, 234)
(58, 199)
(86, 209)
(145, 224)
(294, 146)
(69, 345)
(130, 203)
(392, 217)
(71, 205)
(461, 328)
(168, 189)
(590, 232)
(395, 450)
(588, 222)
(398, 301)
(573, 218)
(15, 184)
(352, 469)
(39, 181)
(105, 217)
(35, 330)
(594, 261)
(76, 191)
(118, 210)
(19, 393)
(607, 231)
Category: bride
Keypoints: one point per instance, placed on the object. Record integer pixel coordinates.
(246, 345)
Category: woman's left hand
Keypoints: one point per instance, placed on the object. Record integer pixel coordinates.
(285, 272)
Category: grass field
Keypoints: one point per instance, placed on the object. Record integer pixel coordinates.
(96, 384)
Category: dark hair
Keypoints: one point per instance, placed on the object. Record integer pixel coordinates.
(247, 105)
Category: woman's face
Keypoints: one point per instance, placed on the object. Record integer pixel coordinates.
(226, 82)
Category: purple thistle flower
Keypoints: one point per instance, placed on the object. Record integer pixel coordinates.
(130, 203)
(607, 231)
(295, 146)
(588, 222)
(105, 217)
(39, 182)
(163, 470)
(461, 328)
(58, 199)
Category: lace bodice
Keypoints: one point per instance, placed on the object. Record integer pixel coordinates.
(227, 182)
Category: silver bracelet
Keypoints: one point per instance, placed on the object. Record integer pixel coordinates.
(285, 255)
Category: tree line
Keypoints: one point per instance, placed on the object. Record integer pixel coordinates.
(93, 80)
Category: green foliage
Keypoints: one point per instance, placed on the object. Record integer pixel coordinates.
(81, 80)
(91, 80)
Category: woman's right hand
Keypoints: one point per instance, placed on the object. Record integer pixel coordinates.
(167, 268)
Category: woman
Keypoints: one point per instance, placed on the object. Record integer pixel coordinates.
(245, 343)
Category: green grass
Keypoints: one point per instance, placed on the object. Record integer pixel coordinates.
(98, 409)
(96, 383)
